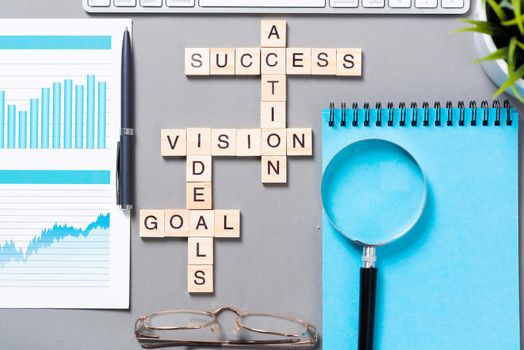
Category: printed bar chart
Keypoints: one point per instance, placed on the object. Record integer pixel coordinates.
(63, 241)
(60, 96)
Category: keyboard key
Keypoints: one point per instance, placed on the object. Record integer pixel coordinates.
(373, 3)
(343, 3)
(399, 3)
(99, 3)
(453, 4)
(151, 3)
(180, 3)
(263, 3)
(125, 3)
(426, 3)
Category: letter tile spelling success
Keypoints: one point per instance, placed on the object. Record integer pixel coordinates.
(273, 142)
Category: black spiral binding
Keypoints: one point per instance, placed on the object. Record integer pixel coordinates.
(390, 113)
(425, 107)
(343, 118)
(484, 107)
(378, 107)
(414, 117)
(473, 106)
(402, 107)
(331, 114)
(355, 114)
(449, 107)
(366, 114)
(462, 110)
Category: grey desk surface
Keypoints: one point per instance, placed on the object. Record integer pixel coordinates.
(276, 266)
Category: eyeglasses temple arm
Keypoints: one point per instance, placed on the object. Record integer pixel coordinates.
(295, 342)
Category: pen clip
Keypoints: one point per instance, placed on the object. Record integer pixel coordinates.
(117, 182)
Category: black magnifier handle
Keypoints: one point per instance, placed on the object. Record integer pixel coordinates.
(368, 292)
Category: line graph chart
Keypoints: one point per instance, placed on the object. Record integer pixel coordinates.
(54, 228)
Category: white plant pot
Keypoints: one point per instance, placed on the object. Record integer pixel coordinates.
(497, 70)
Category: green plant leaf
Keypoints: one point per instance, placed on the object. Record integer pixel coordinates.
(510, 82)
(497, 9)
(483, 27)
(520, 44)
(497, 55)
(512, 22)
(512, 57)
(518, 15)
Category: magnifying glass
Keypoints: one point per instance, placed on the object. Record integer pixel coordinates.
(373, 192)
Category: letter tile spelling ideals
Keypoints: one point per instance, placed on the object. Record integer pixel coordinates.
(273, 142)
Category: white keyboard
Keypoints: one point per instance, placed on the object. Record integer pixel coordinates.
(280, 6)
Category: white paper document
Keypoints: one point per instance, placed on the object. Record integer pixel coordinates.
(64, 243)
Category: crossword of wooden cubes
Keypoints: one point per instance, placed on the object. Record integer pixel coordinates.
(273, 142)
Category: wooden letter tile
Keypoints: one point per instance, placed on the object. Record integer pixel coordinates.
(222, 61)
(247, 61)
(274, 169)
(151, 223)
(273, 88)
(248, 142)
(197, 61)
(201, 223)
(227, 223)
(224, 142)
(273, 61)
(176, 222)
(274, 142)
(272, 115)
(349, 62)
(199, 195)
(200, 251)
(199, 141)
(173, 142)
(299, 142)
(199, 169)
(200, 278)
(298, 61)
(273, 33)
(324, 61)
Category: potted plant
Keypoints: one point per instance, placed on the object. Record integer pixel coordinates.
(499, 41)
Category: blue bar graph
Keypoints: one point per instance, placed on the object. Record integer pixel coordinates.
(57, 108)
(79, 116)
(68, 110)
(11, 126)
(22, 129)
(55, 177)
(44, 142)
(48, 121)
(102, 114)
(34, 123)
(55, 42)
(90, 130)
(2, 113)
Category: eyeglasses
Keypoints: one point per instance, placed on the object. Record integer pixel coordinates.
(255, 330)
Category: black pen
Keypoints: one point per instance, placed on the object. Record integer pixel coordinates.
(125, 196)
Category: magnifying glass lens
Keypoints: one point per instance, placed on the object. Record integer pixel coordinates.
(373, 191)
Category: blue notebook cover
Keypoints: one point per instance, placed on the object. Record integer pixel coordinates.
(453, 282)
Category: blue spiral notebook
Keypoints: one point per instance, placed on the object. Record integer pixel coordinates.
(453, 282)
